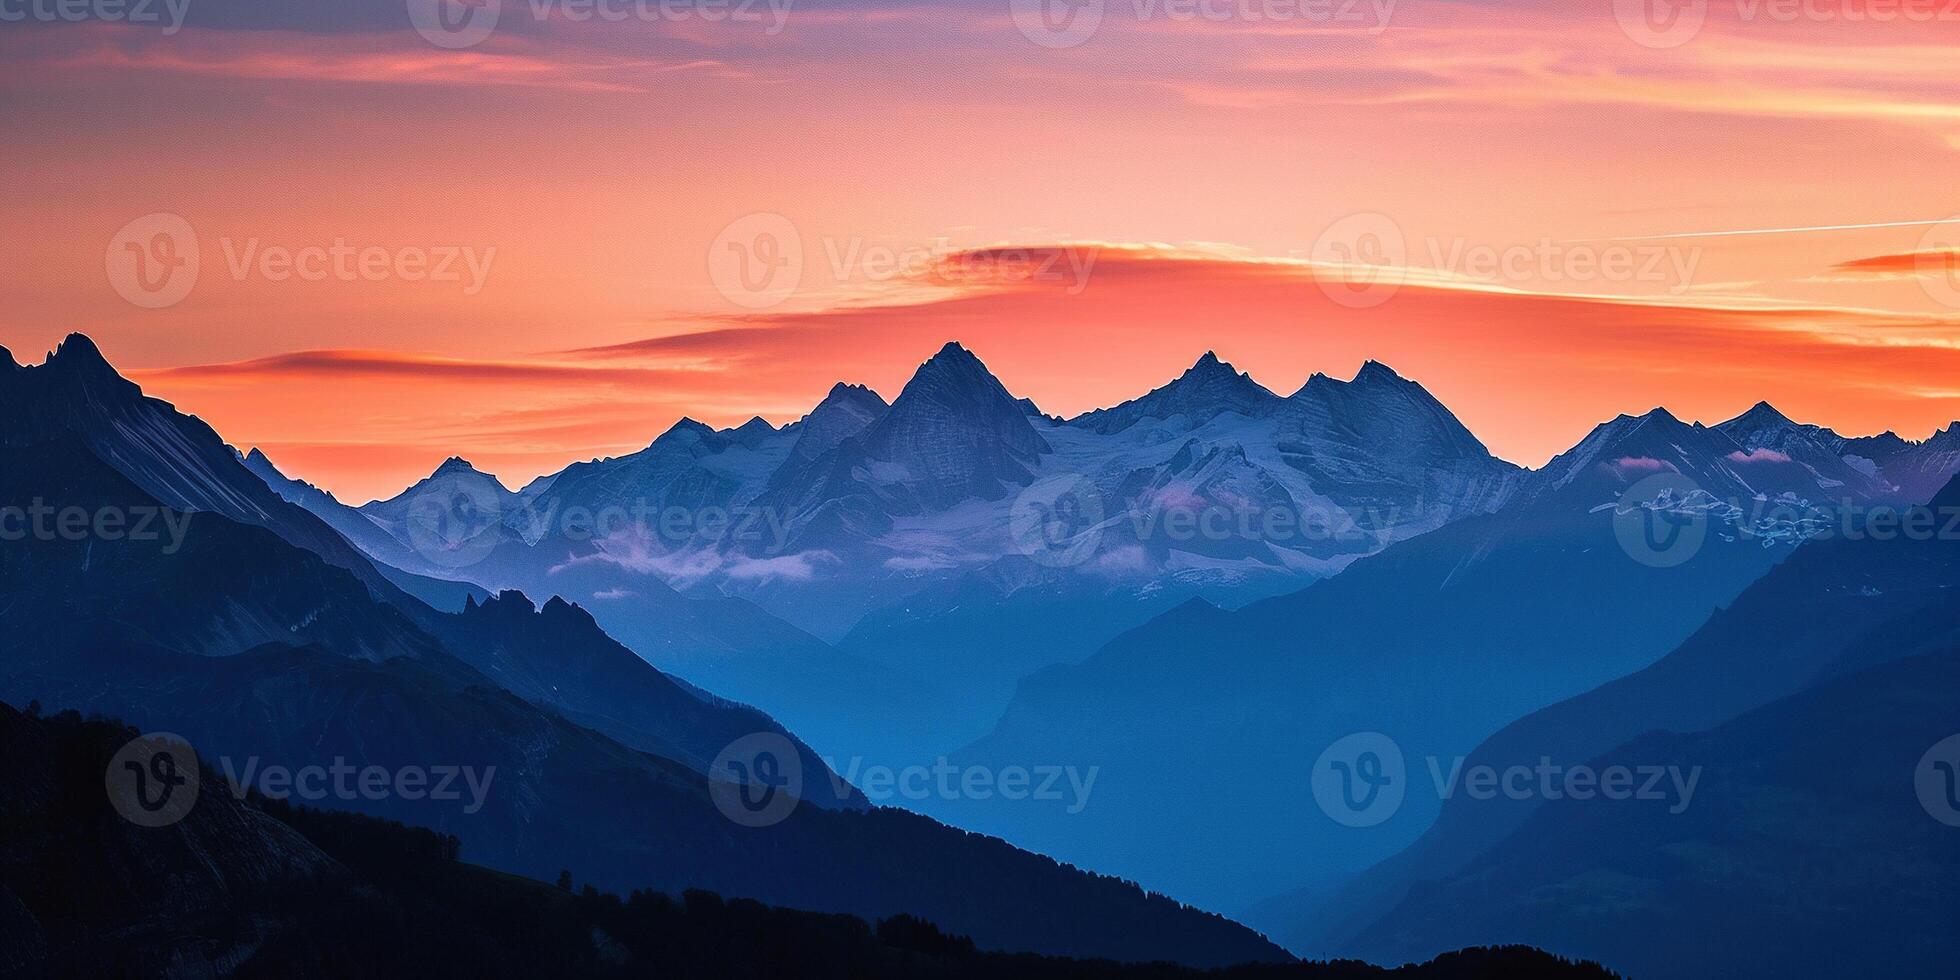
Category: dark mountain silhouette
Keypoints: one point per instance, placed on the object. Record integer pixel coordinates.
(1805, 852)
(257, 650)
(174, 458)
(1836, 603)
(259, 888)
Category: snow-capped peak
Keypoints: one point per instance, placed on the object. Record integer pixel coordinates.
(1206, 390)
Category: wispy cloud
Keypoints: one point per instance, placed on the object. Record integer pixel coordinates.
(1937, 262)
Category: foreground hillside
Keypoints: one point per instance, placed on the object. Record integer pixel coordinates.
(256, 888)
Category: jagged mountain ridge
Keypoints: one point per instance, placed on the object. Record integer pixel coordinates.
(251, 647)
(1437, 642)
(894, 494)
(1883, 466)
(848, 515)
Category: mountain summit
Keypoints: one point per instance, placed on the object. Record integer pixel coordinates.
(1206, 390)
(953, 433)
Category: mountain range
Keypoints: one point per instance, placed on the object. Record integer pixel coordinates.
(265, 653)
(1815, 691)
(1196, 597)
(883, 529)
(1438, 576)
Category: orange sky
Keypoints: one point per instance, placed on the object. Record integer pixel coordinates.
(1517, 162)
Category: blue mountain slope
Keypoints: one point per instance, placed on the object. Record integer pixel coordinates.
(1806, 850)
(1436, 642)
(256, 650)
(1835, 605)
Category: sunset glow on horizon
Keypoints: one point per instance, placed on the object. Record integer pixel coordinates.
(549, 243)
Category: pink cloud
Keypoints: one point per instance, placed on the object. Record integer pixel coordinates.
(1628, 465)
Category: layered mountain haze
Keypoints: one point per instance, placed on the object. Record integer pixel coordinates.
(1181, 609)
(1435, 643)
(1805, 853)
(1838, 606)
(266, 655)
(892, 530)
